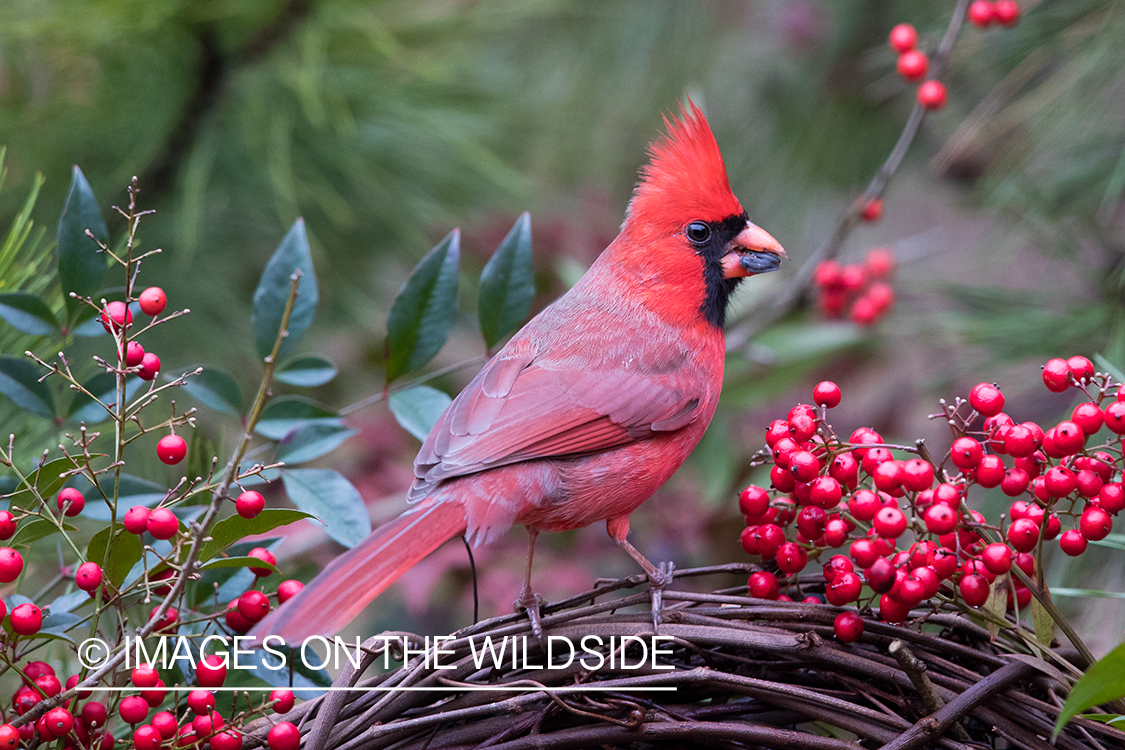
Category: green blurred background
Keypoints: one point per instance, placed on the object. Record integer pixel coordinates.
(385, 124)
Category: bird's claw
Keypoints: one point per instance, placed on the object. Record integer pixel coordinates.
(657, 584)
(529, 602)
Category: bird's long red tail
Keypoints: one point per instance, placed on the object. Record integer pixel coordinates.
(341, 591)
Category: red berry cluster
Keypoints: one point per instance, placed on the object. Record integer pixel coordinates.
(983, 12)
(909, 533)
(861, 289)
(913, 64)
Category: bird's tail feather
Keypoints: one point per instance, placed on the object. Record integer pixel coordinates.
(341, 591)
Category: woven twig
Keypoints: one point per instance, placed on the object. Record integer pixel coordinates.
(747, 673)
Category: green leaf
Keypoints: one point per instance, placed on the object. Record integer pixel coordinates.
(19, 381)
(254, 669)
(507, 284)
(68, 602)
(231, 581)
(284, 414)
(273, 291)
(30, 531)
(996, 604)
(28, 313)
(1087, 593)
(237, 562)
(331, 498)
(1043, 622)
(417, 409)
(1103, 682)
(1104, 365)
(127, 551)
(424, 310)
(306, 372)
(214, 389)
(57, 625)
(233, 528)
(81, 264)
(311, 441)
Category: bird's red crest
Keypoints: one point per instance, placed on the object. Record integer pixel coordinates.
(685, 178)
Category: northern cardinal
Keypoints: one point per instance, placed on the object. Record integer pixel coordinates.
(591, 406)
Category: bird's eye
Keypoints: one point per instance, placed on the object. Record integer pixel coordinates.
(698, 232)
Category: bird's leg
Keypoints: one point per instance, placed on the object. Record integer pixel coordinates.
(658, 576)
(529, 601)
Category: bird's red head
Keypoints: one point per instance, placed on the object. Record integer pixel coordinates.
(683, 208)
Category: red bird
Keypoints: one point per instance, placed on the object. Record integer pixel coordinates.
(591, 406)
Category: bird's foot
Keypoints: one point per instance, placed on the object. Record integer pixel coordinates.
(658, 583)
(529, 602)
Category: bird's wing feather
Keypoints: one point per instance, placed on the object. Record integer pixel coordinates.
(523, 406)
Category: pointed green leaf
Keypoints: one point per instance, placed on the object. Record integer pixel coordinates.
(231, 581)
(331, 498)
(237, 562)
(215, 389)
(68, 602)
(232, 528)
(28, 313)
(127, 551)
(307, 371)
(32, 530)
(287, 413)
(1103, 682)
(1104, 365)
(19, 381)
(47, 480)
(311, 441)
(81, 264)
(507, 284)
(273, 292)
(1043, 623)
(417, 409)
(424, 310)
(996, 604)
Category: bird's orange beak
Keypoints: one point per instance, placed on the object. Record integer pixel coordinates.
(752, 251)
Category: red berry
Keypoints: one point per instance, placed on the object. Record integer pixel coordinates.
(804, 466)
(890, 522)
(1080, 368)
(7, 531)
(941, 519)
(802, 427)
(778, 429)
(1060, 481)
(146, 736)
(286, 590)
(1015, 482)
(752, 501)
(791, 558)
(1023, 534)
(11, 564)
(1115, 417)
(1089, 483)
(59, 722)
(155, 697)
(879, 263)
(1112, 498)
(165, 723)
(843, 589)
(903, 38)
(205, 726)
(48, 684)
(9, 737)
(1056, 375)
(836, 532)
(1006, 12)
(93, 714)
(1019, 441)
(763, 585)
(236, 622)
(825, 492)
(997, 558)
(153, 300)
(1088, 417)
(163, 524)
(917, 475)
(1069, 438)
(913, 64)
(827, 394)
(987, 399)
(88, 576)
(115, 315)
(135, 520)
(282, 701)
(873, 211)
(892, 611)
(932, 94)
(1072, 542)
(251, 503)
(888, 474)
(284, 736)
(966, 452)
(768, 539)
(263, 554)
(211, 672)
(253, 605)
(1095, 524)
(990, 471)
(134, 354)
(864, 504)
(72, 500)
(845, 470)
(144, 676)
(980, 13)
(201, 702)
(133, 709)
(974, 590)
(226, 741)
(171, 449)
(150, 366)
